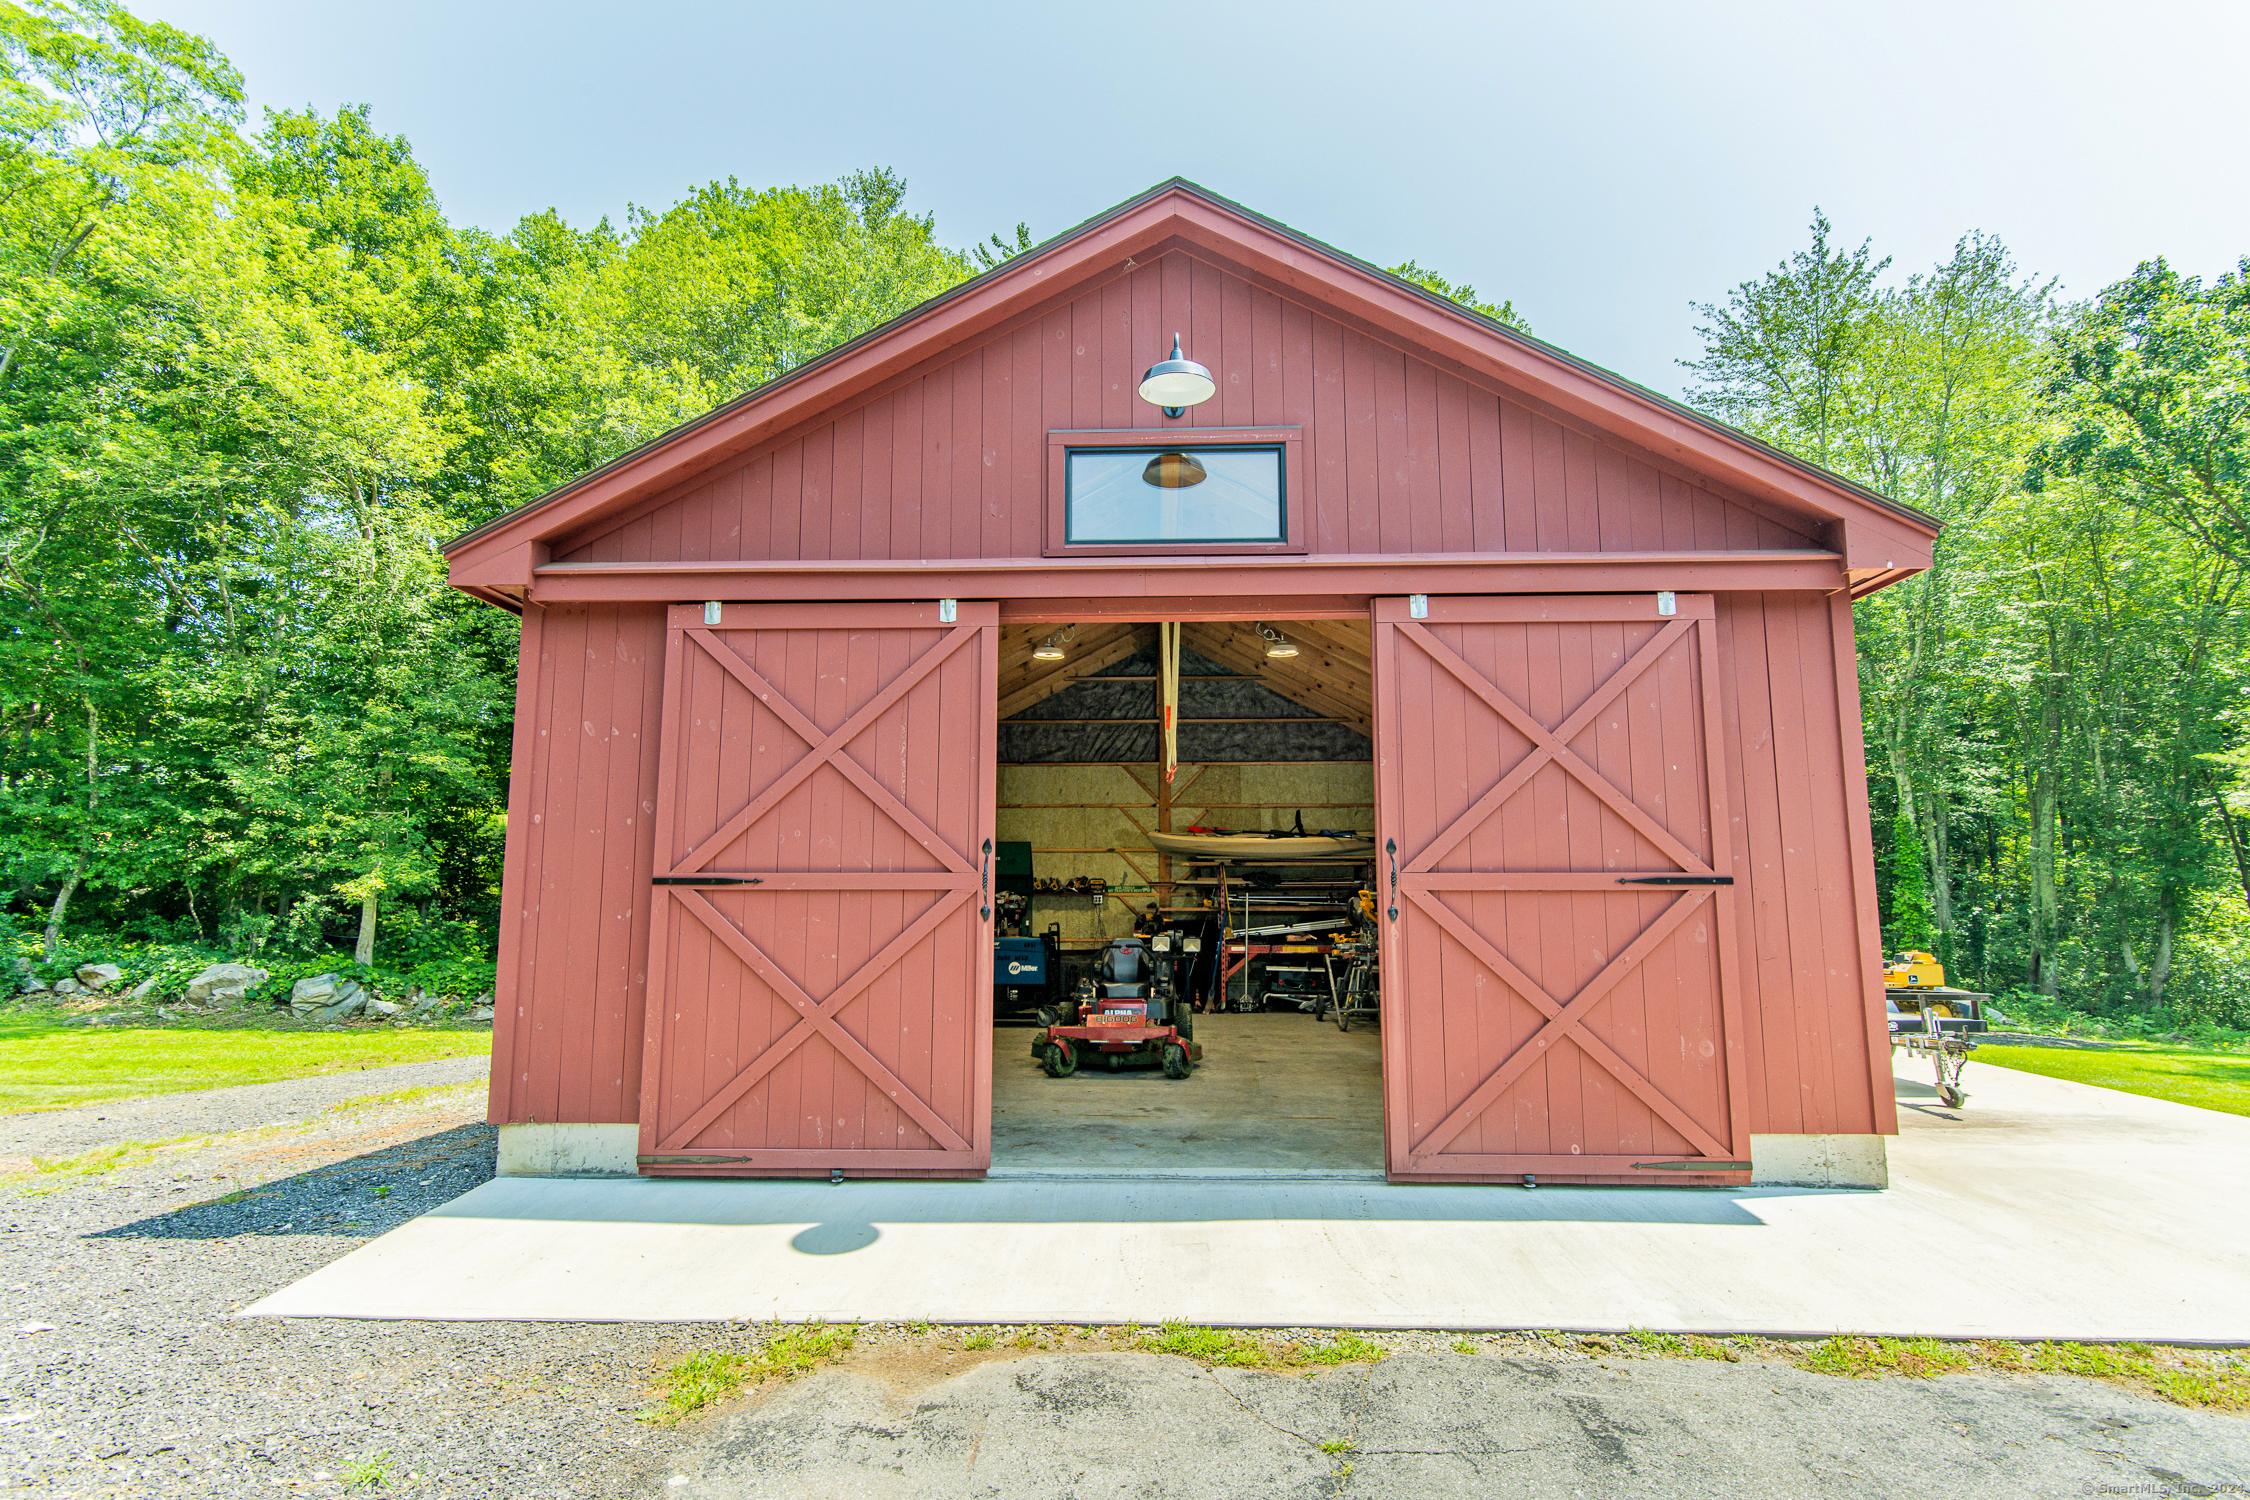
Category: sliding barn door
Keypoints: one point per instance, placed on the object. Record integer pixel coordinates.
(1559, 985)
(821, 989)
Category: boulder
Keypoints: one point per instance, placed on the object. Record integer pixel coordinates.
(34, 985)
(481, 1013)
(99, 976)
(313, 993)
(145, 988)
(349, 998)
(67, 986)
(384, 1008)
(224, 984)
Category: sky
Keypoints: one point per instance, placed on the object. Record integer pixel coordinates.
(1604, 166)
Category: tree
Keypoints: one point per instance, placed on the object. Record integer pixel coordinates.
(2152, 390)
(1504, 314)
(111, 129)
(1779, 354)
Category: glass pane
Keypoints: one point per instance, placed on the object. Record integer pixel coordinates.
(1174, 495)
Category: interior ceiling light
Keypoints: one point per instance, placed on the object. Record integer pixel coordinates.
(1051, 649)
(1277, 644)
(1174, 471)
(1177, 383)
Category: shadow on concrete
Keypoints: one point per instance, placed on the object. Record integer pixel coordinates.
(340, 1200)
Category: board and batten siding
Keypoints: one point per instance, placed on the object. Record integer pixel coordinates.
(1797, 795)
(574, 944)
(1402, 455)
(574, 929)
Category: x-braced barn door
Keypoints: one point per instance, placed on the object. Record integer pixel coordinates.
(821, 994)
(1560, 991)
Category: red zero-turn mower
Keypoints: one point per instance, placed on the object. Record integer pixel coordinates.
(1127, 1016)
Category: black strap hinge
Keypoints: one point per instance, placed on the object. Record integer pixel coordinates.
(1675, 880)
(707, 880)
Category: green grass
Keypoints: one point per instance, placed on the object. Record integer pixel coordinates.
(1212, 1346)
(2185, 1075)
(45, 1064)
(710, 1375)
(2186, 1377)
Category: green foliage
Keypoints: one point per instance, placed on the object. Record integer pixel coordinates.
(2151, 391)
(1211, 1346)
(1909, 924)
(705, 1376)
(249, 381)
(1504, 314)
(1781, 352)
(2054, 711)
(2184, 1377)
(1866, 1359)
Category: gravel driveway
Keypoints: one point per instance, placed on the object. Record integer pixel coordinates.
(123, 1373)
(68, 1132)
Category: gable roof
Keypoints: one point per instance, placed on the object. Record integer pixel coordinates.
(1180, 214)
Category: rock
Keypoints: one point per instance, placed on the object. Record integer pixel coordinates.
(313, 993)
(224, 984)
(34, 985)
(67, 986)
(384, 1008)
(348, 999)
(145, 988)
(99, 976)
(481, 1013)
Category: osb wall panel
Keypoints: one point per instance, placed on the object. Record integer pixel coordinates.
(1090, 820)
(1400, 455)
(566, 1043)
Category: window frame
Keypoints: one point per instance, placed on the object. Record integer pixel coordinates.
(1294, 501)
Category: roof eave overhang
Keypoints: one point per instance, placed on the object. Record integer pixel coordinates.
(1874, 534)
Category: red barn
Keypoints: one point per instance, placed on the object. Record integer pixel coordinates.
(1579, 658)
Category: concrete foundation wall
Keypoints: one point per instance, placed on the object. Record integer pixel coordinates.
(569, 1150)
(1854, 1161)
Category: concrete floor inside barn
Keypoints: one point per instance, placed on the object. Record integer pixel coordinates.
(2045, 1209)
(1277, 1092)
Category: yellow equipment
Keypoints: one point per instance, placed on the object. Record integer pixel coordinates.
(1915, 971)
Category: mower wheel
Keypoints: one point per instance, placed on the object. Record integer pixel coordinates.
(1061, 1061)
(1176, 1063)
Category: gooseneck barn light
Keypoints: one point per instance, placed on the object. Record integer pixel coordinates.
(1177, 383)
(1051, 649)
(1277, 644)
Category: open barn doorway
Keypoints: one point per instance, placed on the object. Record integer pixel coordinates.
(1221, 889)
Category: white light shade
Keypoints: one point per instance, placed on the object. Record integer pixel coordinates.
(1177, 382)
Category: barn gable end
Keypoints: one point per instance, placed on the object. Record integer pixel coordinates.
(1404, 455)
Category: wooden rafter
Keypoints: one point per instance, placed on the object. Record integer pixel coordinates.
(1323, 676)
(1024, 682)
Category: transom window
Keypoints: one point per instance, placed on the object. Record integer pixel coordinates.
(1157, 494)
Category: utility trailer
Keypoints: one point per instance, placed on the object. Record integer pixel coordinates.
(1941, 1024)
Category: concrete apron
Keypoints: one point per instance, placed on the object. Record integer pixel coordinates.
(2046, 1209)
